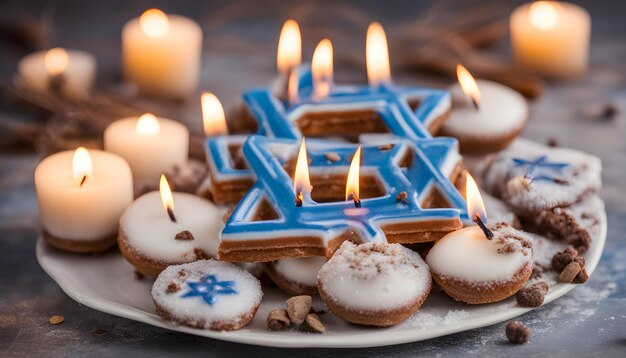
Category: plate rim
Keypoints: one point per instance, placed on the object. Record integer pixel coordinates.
(374, 338)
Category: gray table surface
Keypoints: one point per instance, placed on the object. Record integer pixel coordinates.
(589, 321)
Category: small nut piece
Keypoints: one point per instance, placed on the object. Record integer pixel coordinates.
(563, 258)
(582, 276)
(312, 324)
(56, 319)
(298, 307)
(517, 332)
(184, 236)
(332, 157)
(533, 295)
(570, 272)
(278, 320)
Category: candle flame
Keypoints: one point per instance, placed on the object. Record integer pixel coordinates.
(468, 84)
(475, 205)
(289, 54)
(322, 68)
(301, 181)
(543, 14)
(292, 87)
(166, 197)
(213, 118)
(82, 166)
(148, 125)
(352, 184)
(56, 61)
(154, 23)
(377, 55)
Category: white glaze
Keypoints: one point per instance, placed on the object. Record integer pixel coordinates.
(502, 111)
(362, 279)
(468, 255)
(150, 231)
(227, 308)
(302, 270)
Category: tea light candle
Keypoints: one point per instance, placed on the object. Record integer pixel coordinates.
(162, 228)
(81, 196)
(486, 116)
(151, 145)
(161, 54)
(551, 38)
(72, 71)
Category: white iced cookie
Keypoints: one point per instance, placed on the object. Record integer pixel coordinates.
(500, 117)
(473, 269)
(375, 284)
(151, 241)
(296, 276)
(207, 294)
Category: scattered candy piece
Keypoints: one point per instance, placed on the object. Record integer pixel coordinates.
(298, 307)
(278, 320)
(56, 319)
(517, 332)
(312, 324)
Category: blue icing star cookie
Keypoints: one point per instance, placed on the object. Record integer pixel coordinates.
(207, 294)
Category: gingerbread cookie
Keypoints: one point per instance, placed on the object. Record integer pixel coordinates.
(374, 284)
(296, 276)
(207, 294)
(485, 127)
(151, 242)
(473, 269)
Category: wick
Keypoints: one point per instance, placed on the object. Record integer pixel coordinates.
(299, 199)
(488, 233)
(357, 202)
(170, 212)
(83, 180)
(475, 103)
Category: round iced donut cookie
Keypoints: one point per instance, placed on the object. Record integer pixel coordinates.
(473, 269)
(500, 117)
(151, 241)
(207, 294)
(296, 276)
(374, 284)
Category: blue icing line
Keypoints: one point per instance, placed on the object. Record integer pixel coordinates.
(209, 287)
(330, 219)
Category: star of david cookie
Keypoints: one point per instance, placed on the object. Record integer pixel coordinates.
(207, 294)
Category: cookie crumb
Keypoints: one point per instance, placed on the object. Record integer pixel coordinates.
(553, 142)
(582, 276)
(298, 307)
(184, 236)
(570, 272)
(172, 287)
(139, 275)
(313, 324)
(386, 146)
(56, 319)
(402, 196)
(278, 320)
(563, 258)
(533, 295)
(332, 157)
(517, 332)
(182, 273)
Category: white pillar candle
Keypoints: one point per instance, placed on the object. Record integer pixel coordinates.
(551, 38)
(486, 116)
(150, 145)
(82, 218)
(77, 68)
(161, 54)
(151, 240)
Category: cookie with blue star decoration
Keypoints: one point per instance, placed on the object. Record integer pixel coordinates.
(207, 294)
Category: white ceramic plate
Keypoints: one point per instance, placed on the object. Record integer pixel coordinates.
(107, 283)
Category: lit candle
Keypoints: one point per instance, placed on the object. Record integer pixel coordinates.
(301, 179)
(481, 264)
(81, 196)
(486, 116)
(377, 56)
(162, 228)
(213, 118)
(322, 69)
(289, 53)
(551, 38)
(151, 145)
(161, 54)
(352, 185)
(65, 72)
